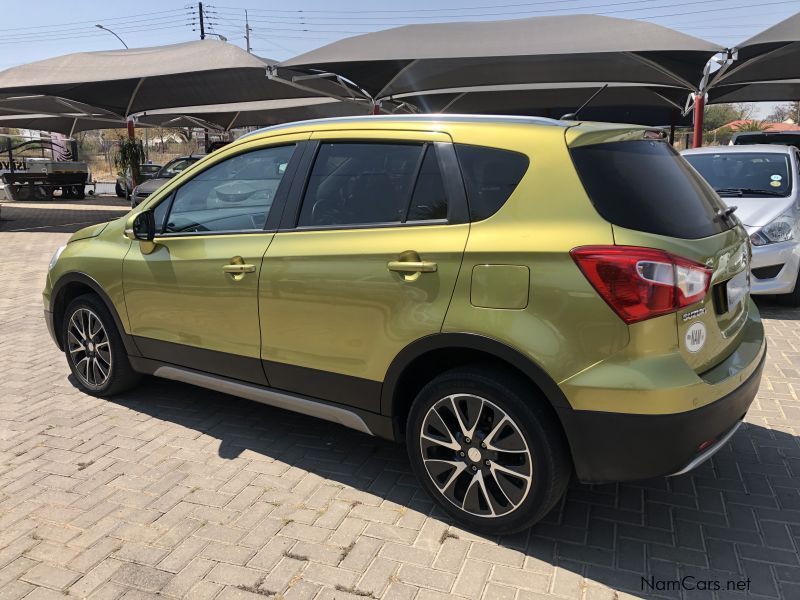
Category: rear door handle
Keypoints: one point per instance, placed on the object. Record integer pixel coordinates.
(408, 266)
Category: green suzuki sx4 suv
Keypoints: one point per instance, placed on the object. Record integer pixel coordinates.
(515, 299)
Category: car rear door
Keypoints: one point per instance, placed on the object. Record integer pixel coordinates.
(364, 263)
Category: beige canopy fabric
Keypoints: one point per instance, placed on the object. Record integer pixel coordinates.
(763, 91)
(138, 79)
(766, 67)
(548, 50)
(772, 55)
(49, 113)
(259, 113)
(628, 103)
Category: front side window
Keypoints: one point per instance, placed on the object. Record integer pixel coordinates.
(762, 174)
(366, 183)
(233, 195)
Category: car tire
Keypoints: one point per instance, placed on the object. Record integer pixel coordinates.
(119, 191)
(500, 467)
(94, 349)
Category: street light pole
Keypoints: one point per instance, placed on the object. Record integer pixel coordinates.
(112, 33)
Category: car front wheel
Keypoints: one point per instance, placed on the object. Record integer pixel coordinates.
(487, 449)
(94, 349)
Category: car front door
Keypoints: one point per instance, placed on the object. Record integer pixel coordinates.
(192, 301)
(365, 261)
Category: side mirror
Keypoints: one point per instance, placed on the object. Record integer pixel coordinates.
(144, 226)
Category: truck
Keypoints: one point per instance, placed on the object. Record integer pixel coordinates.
(55, 171)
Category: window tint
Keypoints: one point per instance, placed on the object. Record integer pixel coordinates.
(644, 185)
(490, 176)
(429, 201)
(234, 195)
(354, 184)
(160, 212)
(745, 173)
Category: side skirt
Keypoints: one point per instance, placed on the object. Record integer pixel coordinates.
(363, 421)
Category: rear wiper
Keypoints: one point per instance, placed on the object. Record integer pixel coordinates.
(743, 191)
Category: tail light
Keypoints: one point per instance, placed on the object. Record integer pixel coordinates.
(642, 283)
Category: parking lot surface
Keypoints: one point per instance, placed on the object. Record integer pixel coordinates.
(174, 491)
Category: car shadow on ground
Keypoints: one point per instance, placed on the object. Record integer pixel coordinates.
(734, 519)
(770, 308)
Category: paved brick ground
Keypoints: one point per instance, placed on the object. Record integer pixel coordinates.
(173, 491)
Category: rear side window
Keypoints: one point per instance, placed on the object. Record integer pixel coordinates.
(646, 186)
(490, 177)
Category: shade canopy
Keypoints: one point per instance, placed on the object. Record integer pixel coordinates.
(628, 103)
(548, 50)
(138, 79)
(259, 113)
(770, 56)
(766, 91)
(766, 67)
(50, 113)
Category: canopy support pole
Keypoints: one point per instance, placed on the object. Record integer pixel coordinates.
(654, 65)
(672, 120)
(699, 110)
(133, 96)
(273, 74)
(74, 125)
(453, 101)
(233, 120)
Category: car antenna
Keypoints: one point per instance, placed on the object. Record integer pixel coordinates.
(573, 116)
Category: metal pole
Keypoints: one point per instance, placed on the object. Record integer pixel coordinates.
(202, 23)
(247, 30)
(112, 33)
(699, 111)
(673, 118)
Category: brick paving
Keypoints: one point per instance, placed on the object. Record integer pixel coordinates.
(171, 491)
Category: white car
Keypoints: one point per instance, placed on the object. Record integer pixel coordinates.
(761, 180)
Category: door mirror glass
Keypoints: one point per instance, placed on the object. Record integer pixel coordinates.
(144, 226)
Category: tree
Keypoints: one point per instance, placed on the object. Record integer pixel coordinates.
(752, 125)
(717, 115)
(783, 112)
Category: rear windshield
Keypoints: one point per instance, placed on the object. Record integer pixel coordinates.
(780, 139)
(760, 174)
(646, 186)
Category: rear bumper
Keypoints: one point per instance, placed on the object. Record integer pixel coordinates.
(622, 447)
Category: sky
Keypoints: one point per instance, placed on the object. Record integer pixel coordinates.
(45, 28)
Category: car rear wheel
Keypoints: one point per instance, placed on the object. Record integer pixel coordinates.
(119, 190)
(94, 349)
(487, 449)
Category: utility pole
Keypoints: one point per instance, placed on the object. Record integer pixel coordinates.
(247, 30)
(202, 24)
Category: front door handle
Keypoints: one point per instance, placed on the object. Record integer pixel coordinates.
(409, 266)
(237, 268)
(234, 269)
